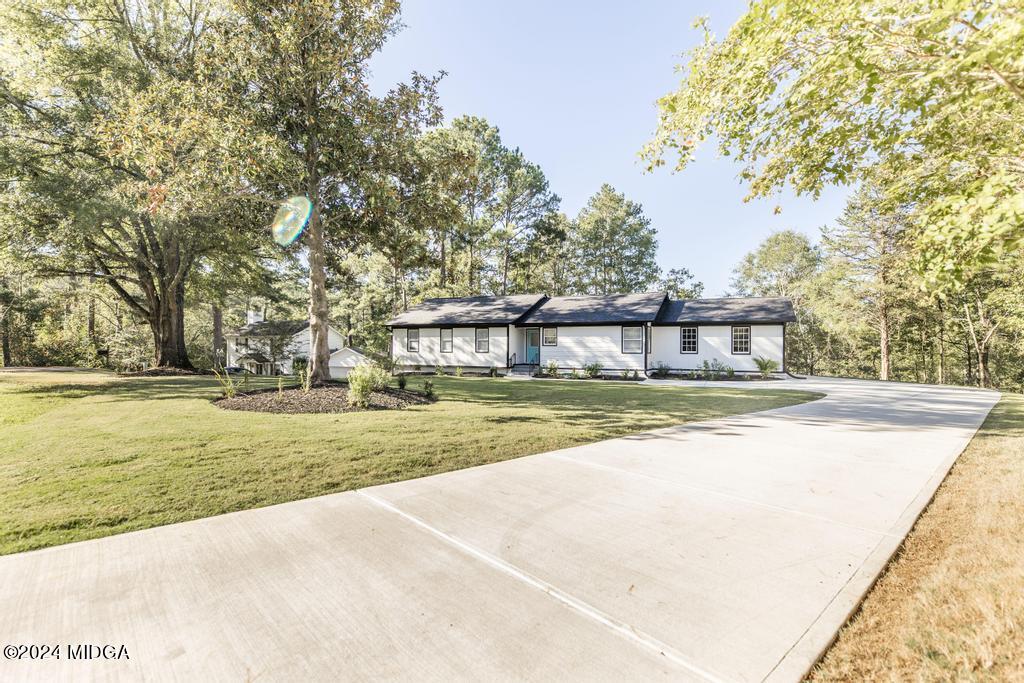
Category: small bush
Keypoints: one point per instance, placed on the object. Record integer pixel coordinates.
(593, 370)
(428, 388)
(575, 374)
(363, 380)
(636, 374)
(552, 368)
(494, 371)
(661, 371)
(228, 387)
(729, 372)
(439, 370)
(402, 381)
(458, 371)
(280, 386)
(766, 366)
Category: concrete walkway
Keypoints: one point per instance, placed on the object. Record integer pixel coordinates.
(719, 551)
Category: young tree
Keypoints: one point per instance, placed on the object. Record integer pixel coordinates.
(811, 92)
(614, 246)
(681, 284)
(303, 67)
(787, 264)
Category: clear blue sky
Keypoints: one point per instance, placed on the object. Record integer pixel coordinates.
(573, 85)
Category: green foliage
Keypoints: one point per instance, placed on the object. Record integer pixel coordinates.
(305, 380)
(680, 283)
(661, 370)
(428, 388)
(458, 371)
(402, 380)
(494, 371)
(363, 380)
(552, 369)
(818, 92)
(716, 369)
(593, 370)
(228, 385)
(439, 370)
(766, 366)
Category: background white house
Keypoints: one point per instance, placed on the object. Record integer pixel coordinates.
(620, 332)
(270, 347)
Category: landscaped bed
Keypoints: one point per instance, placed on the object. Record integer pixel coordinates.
(331, 398)
(88, 454)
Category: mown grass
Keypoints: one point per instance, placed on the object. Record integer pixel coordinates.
(950, 607)
(84, 455)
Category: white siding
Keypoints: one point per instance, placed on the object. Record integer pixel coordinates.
(344, 360)
(583, 345)
(463, 349)
(714, 342)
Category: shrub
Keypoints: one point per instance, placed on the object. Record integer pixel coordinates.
(636, 374)
(552, 368)
(439, 370)
(458, 371)
(228, 387)
(729, 372)
(280, 385)
(363, 380)
(575, 374)
(593, 370)
(402, 380)
(305, 379)
(494, 371)
(766, 366)
(428, 388)
(661, 371)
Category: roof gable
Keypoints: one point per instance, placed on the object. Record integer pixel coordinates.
(611, 309)
(728, 310)
(467, 311)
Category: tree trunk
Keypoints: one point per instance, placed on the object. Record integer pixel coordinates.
(319, 307)
(883, 342)
(167, 323)
(91, 320)
(218, 336)
(5, 344)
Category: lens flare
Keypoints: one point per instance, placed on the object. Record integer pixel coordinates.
(290, 220)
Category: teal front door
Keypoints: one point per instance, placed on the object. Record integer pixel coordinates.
(533, 346)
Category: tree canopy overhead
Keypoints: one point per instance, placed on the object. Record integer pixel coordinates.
(812, 92)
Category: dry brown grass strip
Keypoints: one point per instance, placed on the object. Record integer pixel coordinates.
(951, 604)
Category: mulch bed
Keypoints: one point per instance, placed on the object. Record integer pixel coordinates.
(325, 399)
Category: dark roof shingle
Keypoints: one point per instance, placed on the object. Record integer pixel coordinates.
(467, 311)
(597, 309)
(728, 310)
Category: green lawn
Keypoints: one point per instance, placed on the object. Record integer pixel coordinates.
(85, 454)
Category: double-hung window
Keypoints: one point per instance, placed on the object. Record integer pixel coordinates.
(632, 340)
(549, 337)
(446, 340)
(483, 340)
(741, 340)
(412, 340)
(687, 340)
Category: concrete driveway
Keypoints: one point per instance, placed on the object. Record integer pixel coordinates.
(719, 551)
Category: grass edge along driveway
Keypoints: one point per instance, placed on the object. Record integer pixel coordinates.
(85, 454)
(951, 603)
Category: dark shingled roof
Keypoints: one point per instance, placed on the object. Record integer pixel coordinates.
(272, 328)
(597, 310)
(728, 310)
(466, 311)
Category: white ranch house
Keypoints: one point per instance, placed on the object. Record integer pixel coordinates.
(265, 347)
(621, 332)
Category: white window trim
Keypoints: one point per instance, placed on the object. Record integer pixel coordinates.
(543, 339)
(408, 341)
